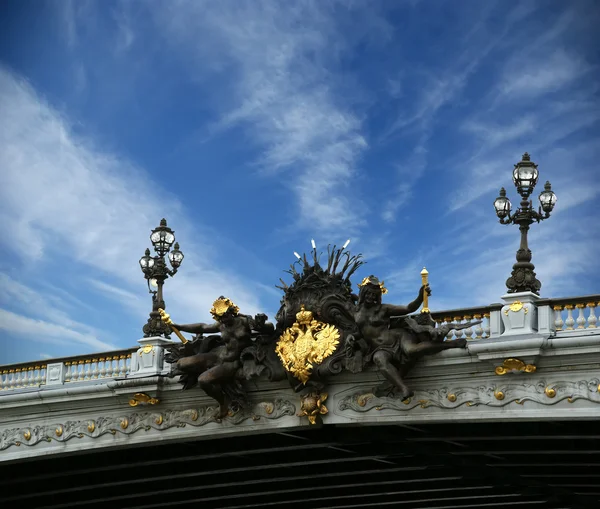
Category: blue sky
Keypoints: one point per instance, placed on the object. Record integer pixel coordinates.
(256, 126)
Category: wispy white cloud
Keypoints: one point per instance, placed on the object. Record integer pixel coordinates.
(284, 94)
(525, 78)
(64, 197)
(29, 329)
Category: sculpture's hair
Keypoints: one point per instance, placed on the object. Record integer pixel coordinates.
(363, 291)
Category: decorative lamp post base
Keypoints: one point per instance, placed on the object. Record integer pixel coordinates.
(522, 279)
(156, 327)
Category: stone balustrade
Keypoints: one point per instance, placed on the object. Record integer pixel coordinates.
(573, 313)
(483, 330)
(83, 368)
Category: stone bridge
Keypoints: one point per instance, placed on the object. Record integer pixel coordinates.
(511, 419)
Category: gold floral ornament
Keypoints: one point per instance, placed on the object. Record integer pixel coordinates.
(221, 306)
(306, 343)
(312, 406)
(367, 281)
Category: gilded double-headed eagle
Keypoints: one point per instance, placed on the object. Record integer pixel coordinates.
(305, 344)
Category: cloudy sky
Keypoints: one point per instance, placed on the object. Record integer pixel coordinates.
(256, 126)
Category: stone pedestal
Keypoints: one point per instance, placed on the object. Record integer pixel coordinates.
(519, 314)
(149, 359)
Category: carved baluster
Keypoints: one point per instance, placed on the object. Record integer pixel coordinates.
(458, 333)
(558, 321)
(75, 373)
(123, 365)
(592, 319)
(12, 380)
(478, 328)
(468, 330)
(486, 324)
(115, 372)
(95, 371)
(102, 370)
(38, 375)
(570, 321)
(18, 380)
(580, 317)
(30, 376)
(68, 371)
(108, 364)
(3, 379)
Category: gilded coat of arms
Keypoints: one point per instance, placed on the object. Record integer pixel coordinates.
(306, 344)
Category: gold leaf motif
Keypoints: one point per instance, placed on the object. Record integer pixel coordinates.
(550, 392)
(221, 306)
(452, 398)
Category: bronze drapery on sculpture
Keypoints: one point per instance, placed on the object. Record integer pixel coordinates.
(322, 328)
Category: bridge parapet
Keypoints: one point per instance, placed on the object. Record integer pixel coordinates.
(531, 359)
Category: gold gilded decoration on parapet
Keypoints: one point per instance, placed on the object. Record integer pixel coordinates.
(305, 344)
(142, 398)
(312, 406)
(515, 307)
(146, 349)
(514, 366)
(221, 306)
(136, 421)
(545, 393)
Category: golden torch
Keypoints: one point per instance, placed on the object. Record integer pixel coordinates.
(424, 281)
(165, 317)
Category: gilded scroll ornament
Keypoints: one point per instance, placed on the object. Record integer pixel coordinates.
(515, 307)
(134, 422)
(545, 393)
(141, 398)
(514, 366)
(306, 344)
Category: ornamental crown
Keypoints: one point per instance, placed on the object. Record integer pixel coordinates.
(372, 280)
(304, 317)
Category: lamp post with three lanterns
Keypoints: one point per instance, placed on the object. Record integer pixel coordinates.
(525, 176)
(156, 272)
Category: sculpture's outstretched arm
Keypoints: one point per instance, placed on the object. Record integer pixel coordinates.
(198, 328)
(392, 310)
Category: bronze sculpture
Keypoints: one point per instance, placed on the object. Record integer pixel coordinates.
(395, 345)
(322, 328)
(213, 362)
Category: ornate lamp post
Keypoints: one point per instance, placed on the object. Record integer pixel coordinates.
(525, 176)
(156, 272)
